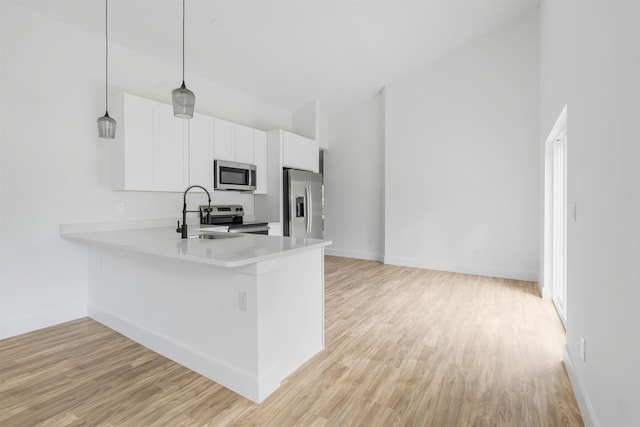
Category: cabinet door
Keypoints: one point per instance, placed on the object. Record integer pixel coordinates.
(136, 137)
(260, 156)
(223, 134)
(244, 144)
(201, 151)
(299, 152)
(171, 159)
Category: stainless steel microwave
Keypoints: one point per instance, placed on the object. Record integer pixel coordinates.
(233, 176)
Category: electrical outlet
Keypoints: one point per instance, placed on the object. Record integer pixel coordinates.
(120, 208)
(242, 300)
(583, 349)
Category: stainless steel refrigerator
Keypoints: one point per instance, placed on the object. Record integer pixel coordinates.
(302, 204)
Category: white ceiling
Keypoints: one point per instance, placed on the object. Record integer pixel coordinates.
(288, 53)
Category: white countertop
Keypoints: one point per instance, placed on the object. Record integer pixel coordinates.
(226, 252)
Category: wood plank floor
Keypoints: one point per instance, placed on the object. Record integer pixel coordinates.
(404, 347)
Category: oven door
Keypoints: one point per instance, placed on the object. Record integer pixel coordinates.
(234, 176)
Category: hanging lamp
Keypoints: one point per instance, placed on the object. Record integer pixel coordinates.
(106, 125)
(184, 100)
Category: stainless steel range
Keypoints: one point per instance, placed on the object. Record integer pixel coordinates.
(232, 217)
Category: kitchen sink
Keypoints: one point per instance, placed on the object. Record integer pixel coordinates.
(215, 236)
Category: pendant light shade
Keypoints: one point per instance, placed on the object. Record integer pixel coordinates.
(184, 102)
(106, 125)
(183, 99)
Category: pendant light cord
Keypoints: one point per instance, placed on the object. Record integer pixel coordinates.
(182, 41)
(106, 59)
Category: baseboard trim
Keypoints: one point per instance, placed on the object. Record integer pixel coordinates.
(32, 323)
(586, 410)
(370, 256)
(545, 291)
(230, 377)
(529, 276)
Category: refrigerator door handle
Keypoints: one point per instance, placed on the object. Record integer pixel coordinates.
(307, 196)
(310, 209)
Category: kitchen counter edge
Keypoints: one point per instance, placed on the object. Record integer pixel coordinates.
(165, 242)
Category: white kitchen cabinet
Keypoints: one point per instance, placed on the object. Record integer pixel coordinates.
(224, 140)
(134, 141)
(284, 150)
(261, 161)
(233, 142)
(155, 151)
(299, 152)
(201, 151)
(244, 144)
(172, 162)
(149, 152)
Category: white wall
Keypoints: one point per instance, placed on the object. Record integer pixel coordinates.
(310, 121)
(461, 158)
(354, 182)
(323, 130)
(55, 169)
(590, 60)
(2, 43)
(304, 120)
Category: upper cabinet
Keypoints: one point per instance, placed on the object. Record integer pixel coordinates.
(284, 150)
(299, 152)
(245, 150)
(154, 151)
(201, 151)
(150, 151)
(242, 144)
(171, 144)
(233, 142)
(224, 140)
(261, 160)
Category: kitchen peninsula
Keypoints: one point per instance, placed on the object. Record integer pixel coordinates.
(244, 311)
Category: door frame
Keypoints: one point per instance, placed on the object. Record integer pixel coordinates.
(555, 252)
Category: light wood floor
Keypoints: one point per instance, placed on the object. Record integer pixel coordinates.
(404, 347)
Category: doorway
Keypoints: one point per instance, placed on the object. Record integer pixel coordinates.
(555, 223)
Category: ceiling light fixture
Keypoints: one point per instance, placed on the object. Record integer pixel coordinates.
(106, 125)
(184, 100)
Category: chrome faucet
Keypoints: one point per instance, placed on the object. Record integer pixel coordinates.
(183, 229)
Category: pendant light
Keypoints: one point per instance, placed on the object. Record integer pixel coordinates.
(106, 125)
(183, 99)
